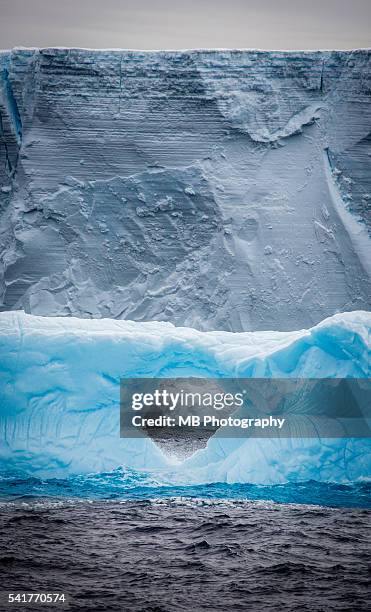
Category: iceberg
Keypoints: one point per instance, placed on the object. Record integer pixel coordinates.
(148, 199)
(60, 379)
(213, 189)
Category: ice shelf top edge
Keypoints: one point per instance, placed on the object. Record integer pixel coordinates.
(209, 50)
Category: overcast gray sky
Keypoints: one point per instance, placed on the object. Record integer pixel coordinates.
(180, 24)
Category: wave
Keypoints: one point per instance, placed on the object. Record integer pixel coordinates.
(125, 484)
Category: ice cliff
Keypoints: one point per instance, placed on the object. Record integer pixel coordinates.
(214, 189)
(59, 381)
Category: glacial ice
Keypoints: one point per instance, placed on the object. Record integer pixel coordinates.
(212, 189)
(215, 190)
(59, 408)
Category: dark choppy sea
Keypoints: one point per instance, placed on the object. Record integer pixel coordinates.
(124, 541)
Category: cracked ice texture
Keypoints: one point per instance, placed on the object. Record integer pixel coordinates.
(213, 189)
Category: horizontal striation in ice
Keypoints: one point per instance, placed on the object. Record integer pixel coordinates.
(212, 189)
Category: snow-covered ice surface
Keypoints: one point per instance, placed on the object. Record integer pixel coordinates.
(214, 189)
(60, 395)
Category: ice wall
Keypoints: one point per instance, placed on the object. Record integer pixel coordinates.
(205, 188)
(59, 394)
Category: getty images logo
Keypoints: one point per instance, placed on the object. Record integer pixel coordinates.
(172, 400)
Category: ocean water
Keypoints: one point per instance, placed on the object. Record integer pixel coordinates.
(129, 484)
(176, 554)
(128, 541)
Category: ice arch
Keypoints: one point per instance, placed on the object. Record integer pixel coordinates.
(60, 378)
